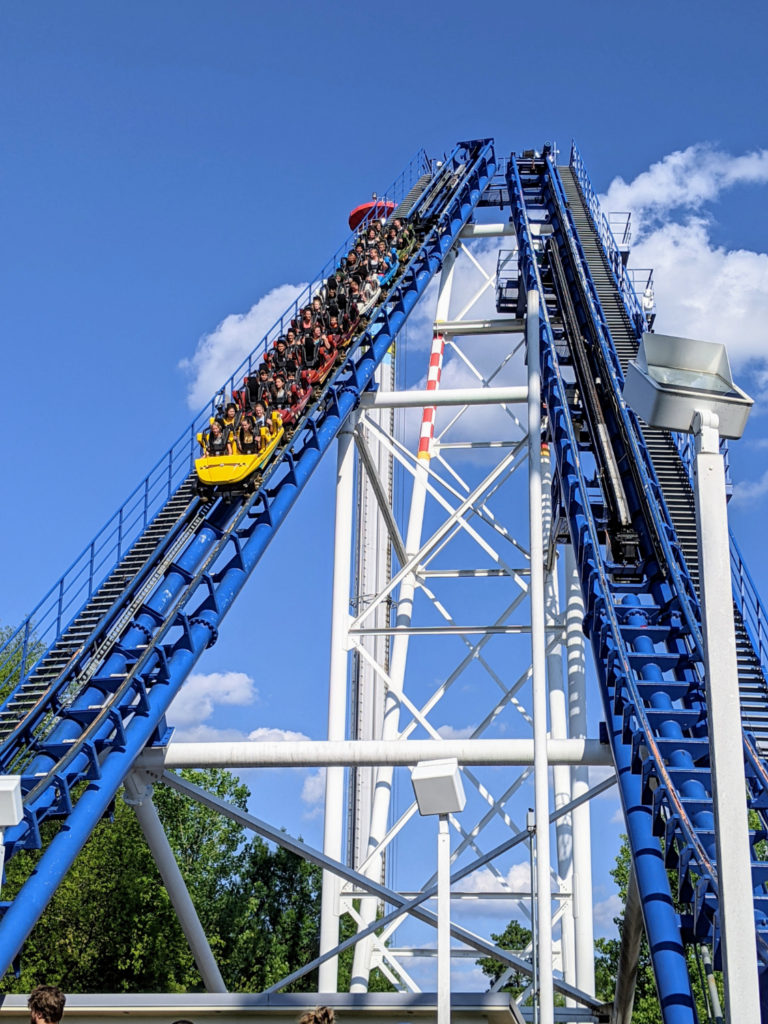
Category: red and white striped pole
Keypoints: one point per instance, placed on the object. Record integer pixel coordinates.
(427, 433)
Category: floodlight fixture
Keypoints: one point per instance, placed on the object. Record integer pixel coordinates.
(438, 786)
(674, 378)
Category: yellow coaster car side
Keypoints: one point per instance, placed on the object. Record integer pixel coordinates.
(235, 471)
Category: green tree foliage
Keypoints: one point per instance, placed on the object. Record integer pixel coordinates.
(110, 926)
(12, 657)
(646, 1006)
(515, 938)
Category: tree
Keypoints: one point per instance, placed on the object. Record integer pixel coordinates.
(646, 1006)
(516, 938)
(110, 925)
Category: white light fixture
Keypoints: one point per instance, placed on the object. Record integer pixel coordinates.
(674, 378)
(438, 786)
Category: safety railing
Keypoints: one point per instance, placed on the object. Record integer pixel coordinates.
(634, 306)
(39, 631)
(751, 607)
(620, 223)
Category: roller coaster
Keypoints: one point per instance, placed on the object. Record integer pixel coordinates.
(92, 671)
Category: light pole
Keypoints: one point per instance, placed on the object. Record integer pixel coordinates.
(686, 385)
(439, 790)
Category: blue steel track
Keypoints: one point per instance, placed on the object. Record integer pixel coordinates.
(102, 657)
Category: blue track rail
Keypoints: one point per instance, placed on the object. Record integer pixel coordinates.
(642, 619)
(111, 693)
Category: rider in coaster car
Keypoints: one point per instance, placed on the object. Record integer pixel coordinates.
(230, 421)
(325, 351)
(334, 329)
(248, 437)
(281, 395)
(311, 342)
(216, 441)
(259, 416)
(279, 358)
(318, 310)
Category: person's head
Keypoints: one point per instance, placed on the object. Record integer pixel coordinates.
(281, 345)
(317, 303)
(334, 322)
(258, 409)
(215, 428)
(290, 336)
(320, 1015)
(46, 1004)
(279, 380)
(231, 411)
(317, 330)
(263, 372)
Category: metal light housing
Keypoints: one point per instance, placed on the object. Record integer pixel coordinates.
(673, 378)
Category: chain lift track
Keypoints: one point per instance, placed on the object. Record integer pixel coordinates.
(643, 616)
(96, 699)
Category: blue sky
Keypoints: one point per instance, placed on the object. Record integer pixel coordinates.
(169, 164)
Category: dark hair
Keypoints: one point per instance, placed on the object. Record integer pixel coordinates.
(47, 1003)
(320, 1015)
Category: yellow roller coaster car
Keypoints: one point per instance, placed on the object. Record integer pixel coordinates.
(236, 472)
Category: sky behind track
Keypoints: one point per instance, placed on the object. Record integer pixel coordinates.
(168, 164)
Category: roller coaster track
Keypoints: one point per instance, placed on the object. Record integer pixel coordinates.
(95, 667)
(642, 611)
(86, 706)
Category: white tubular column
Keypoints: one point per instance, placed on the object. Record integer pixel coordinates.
(391, 722)
(558, 723)
(138, 794)
(580, 816)
(539, 668)
(337, 702)
(734, 872)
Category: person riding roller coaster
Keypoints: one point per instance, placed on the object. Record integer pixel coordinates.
(274, 396)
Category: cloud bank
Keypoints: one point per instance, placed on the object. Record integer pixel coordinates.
(703, 289)
(219, 353)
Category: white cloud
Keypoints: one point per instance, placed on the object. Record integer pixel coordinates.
(268, 735)
(219, 353)
(747, 490)
(702, 289)
(604, 911)
(450, 732)
(313, 793)
(707, 291)
(687, 178)
(517, 879)
(200, 694)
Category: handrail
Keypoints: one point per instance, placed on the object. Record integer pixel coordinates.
(599, 219)
(42, 627)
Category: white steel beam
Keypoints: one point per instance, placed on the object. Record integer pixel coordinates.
(539, 670)
(487, 230)
(391, 722)
(577, 727)
(337, 702)
(311, 753)
(138, 795)
(422, 398)
(494, 325)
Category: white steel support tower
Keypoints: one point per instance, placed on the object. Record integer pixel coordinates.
(456, 620)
